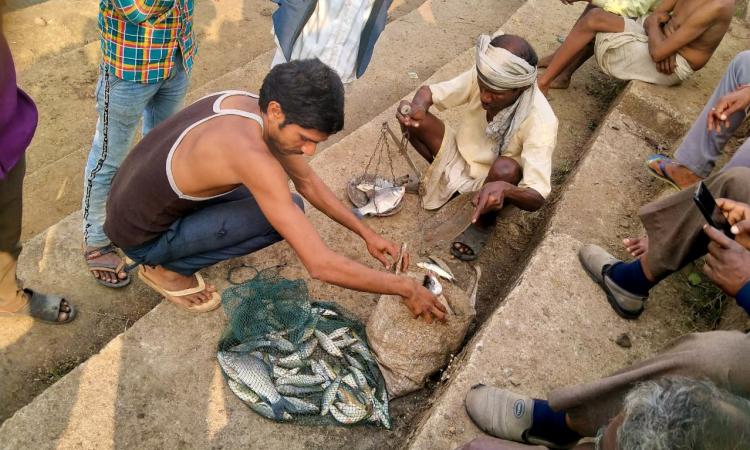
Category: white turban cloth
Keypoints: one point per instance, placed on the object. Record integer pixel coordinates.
(500, 69)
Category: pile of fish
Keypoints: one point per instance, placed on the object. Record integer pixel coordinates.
(326, 374)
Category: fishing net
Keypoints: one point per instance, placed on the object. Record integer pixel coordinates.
(313, 353)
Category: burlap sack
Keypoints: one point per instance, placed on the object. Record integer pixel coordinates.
(408, 350)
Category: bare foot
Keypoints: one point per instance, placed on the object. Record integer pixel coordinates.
(636, 246)
(681, 175)
(173, 281)
(105, 257)
(544, 62)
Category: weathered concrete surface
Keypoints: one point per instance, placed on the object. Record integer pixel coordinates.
(556, 328)
(166, 326)
(235, 40)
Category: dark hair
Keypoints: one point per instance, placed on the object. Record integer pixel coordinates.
(516, 45)
(310, 93)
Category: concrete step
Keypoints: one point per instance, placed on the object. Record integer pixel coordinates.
(59, 150)
(555, 328)
(51, 259)
(157, 383)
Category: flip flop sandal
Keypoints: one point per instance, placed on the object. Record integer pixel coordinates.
(474, 238)
(104, 267)
(44, 307)
(662, 161)
(210, 305)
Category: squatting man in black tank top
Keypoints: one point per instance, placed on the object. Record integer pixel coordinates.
(211, 183)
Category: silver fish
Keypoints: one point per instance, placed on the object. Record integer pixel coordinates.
(362, 351)
(243, 392)
(432, 284)
(328, 344)
(253, 373)
(432, 267)
(345, 342)
(381, 412)
(330, 372)
(301, 380)
(350, 381)
(319, 310)
(335, 334)
(348, 414)
(268, 412)
(281, 343)
(318, 369)
(359, 377)
(299, 358)
(279, 372)
(299, 406)
(329, 395)
(383, 201)
(353, 362)
(442, 264)
(346, 395)
(289, 389)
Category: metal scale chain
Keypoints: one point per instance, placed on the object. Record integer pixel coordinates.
(380, 147)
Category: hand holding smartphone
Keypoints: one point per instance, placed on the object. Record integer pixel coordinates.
(710, 210)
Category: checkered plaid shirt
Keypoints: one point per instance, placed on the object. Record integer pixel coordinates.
(139, 38)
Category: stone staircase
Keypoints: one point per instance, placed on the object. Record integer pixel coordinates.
(157, 385)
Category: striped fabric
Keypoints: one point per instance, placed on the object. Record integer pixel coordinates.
(139, 38)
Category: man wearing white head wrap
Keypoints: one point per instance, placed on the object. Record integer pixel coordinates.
(503, 145)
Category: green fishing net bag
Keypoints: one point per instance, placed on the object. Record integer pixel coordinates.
(269, 310)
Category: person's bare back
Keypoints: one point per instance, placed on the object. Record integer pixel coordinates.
(694, 28)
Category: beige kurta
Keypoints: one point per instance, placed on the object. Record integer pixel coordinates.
(463, 163)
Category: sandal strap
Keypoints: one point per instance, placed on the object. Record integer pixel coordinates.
(44, 306)
(97, 252)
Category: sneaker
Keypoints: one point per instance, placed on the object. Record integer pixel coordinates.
(598, 264)
(504, 414)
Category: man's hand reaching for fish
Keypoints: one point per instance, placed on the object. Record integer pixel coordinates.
(381, 248)
(423, 303)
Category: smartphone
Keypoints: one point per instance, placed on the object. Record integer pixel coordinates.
(710, 210)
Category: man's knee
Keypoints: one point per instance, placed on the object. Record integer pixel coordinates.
(505, 169)
(597, 19)
(740, 67)
(297, 199)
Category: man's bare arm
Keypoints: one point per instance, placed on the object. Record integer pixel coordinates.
(266, 179)
(661, 46)
(310, 186)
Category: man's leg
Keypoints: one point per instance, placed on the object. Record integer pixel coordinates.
(428, 137)
(13, 298)
(126, 102)
(168, 99)
(220, 231)
(674, 227)
(718, 356)
(580, 410)
(583, 33)
(697, 154)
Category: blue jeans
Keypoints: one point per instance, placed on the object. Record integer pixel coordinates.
(128, 102)
(701, 148)
(226, 227)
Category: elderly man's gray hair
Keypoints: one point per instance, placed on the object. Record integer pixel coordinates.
(677, 413)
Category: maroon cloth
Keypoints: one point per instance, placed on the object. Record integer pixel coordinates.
(18, 115)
